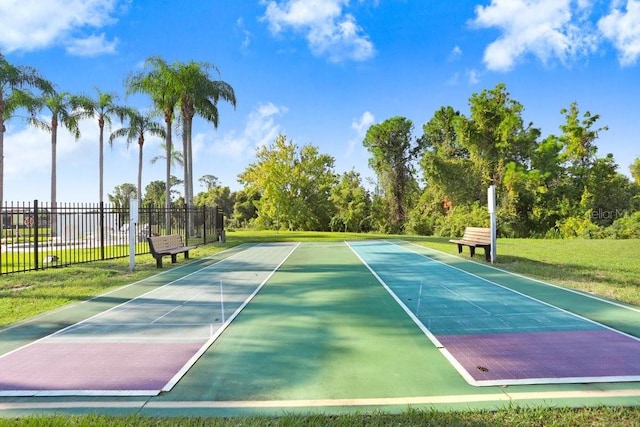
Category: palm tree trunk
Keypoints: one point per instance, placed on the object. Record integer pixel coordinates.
(188, 197)
(140, 144)
(54, 141)
(167, 200)
(101, 162)
(1, 171)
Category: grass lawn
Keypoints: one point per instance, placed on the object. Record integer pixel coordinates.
(609, 268)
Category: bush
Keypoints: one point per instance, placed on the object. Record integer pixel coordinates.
(459, 217)
(575, 226)
(627, 227)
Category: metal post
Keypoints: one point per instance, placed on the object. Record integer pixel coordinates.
(491, 206)
(133, 221)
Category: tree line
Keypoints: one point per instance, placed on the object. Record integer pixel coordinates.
(436, 183)
(431, 184)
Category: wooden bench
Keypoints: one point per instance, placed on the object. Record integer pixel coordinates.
(475, 237)
(161, 246)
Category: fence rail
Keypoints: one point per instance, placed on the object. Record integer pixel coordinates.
(36, 236)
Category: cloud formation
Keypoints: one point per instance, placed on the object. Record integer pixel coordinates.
(548, 29)
(260, 130)
(29, 25)
(330, 31)
(557, 30)
(622, 28)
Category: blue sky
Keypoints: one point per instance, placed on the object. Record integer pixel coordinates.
(318, 71)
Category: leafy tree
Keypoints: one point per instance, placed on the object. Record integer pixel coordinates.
(495, 134)
(635, 170)
(294, 184)
(139, 126)
(352, 204)
(209, 181)
(122, 195)
(393, 151)
(103, 107)
(446, 163)
(245, 207)
(14, 82)
(217, 196)
(154, 192)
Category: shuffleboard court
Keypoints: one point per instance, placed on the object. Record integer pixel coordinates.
(144, 346)
(493, 335)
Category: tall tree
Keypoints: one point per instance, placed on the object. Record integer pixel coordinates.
(635, 170)
(103, 107)
(63, 109)
(393, 151)
(294, 184)
(352, 204)
(139, 126)
(199, 94)
(158, 80)
(14, 82)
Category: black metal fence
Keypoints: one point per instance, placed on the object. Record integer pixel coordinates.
(35, 236)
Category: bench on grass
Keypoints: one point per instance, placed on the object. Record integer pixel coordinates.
(475, 237)
(161, 246)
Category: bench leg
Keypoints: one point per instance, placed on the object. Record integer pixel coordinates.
(186, 254)
(459, 248)
(158, 262)
(174, 258)
(472, 249)
(487, 253)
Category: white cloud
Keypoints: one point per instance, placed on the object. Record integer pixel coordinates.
(92, 46)
(548, 29)
(260, 129)
(455, 54)
(246, 34)
(622, 28)
(330, 31)
(29, 25)
(473, 77)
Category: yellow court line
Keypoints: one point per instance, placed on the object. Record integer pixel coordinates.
(315, 403)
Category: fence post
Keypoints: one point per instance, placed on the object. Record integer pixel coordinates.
(101, 213)
(36, 233)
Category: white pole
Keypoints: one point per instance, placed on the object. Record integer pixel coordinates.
(491, 206)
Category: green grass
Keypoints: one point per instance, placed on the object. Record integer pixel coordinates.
(609, 268)
(514, 416)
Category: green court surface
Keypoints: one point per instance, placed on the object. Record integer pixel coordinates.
(324, 336)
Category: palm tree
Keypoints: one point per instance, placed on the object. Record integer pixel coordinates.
(103, 107)
(13, 82)
(158, 81)
(199, 94)
(63, 109)
(139, 126)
